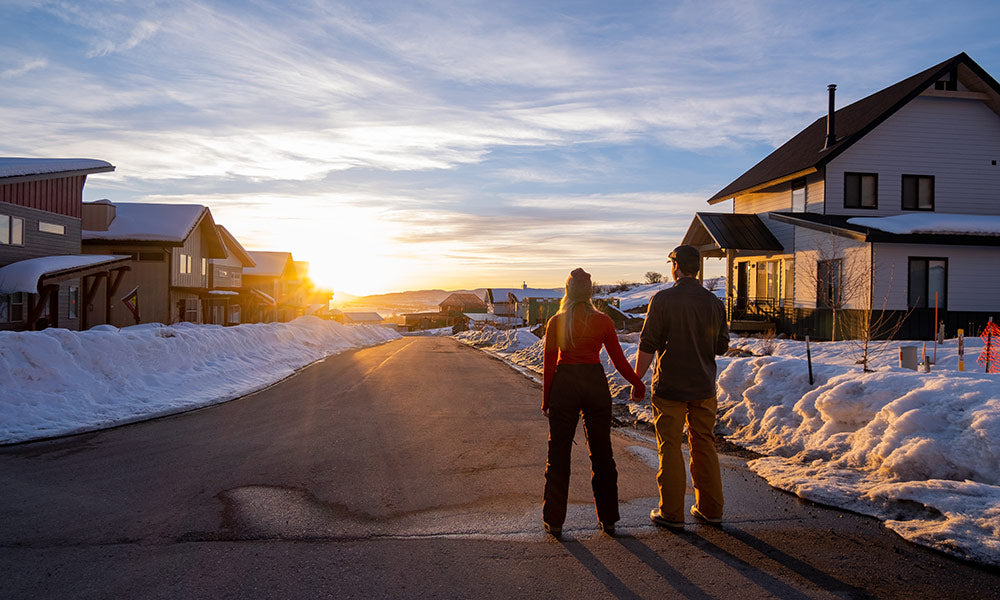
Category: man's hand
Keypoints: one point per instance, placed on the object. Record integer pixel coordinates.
(638, 393)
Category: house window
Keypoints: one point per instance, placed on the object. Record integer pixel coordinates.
(918, 192)
(51, 228)
(829, 280)
(11, 307)
(11, 230)
(204, 267)
(928, 283)
(191, 310)
(860, 190)
(799, 199)
(185, 264)
(72, 301)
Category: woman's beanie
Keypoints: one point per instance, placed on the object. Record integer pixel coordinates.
(578, 285)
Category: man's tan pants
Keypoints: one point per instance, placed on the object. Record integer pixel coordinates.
(668, 419)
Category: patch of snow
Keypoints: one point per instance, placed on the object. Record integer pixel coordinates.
(932, 223)
(57, 382)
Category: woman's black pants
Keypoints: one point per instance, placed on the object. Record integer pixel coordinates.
(580, 389)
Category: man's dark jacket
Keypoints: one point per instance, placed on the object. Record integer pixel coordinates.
(686, 326)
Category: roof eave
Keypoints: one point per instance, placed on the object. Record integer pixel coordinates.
(56, 175)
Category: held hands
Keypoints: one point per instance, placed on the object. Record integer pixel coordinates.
(638, 392)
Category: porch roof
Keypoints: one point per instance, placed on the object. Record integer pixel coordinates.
(28, 275)
(715, 233)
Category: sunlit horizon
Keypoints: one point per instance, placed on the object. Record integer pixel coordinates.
(409, 146)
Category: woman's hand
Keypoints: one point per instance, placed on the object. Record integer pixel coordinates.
(545, 409)
(638, 392)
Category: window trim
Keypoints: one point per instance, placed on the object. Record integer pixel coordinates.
(800, 184)
(860, 176)
(822, 284)
(52, 228)
(909, 282)
(902, 197)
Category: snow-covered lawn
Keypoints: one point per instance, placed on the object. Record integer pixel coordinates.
(55, 382)
(921, 451)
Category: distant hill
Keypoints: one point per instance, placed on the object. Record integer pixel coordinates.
(637, 296)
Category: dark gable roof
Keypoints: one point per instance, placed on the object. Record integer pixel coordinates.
(807, 152)
(731, 231)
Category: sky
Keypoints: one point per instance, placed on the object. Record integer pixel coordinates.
(414, 145)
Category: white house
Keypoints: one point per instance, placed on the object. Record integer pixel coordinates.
(888, 203)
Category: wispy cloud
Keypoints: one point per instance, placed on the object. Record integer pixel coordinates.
(478, 134)
(140, 33)
(23, 69)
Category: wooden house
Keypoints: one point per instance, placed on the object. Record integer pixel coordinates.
(225, 282)
(461, 302)
(44, 280)
(272, 288)
(887, 203)
(170, 246)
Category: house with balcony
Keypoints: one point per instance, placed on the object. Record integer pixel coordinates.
(170, 246)
(223, 305)
(44, 279)
(272, 288)
(887, 204)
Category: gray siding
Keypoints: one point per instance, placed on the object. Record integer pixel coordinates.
(38, 243)
(970, 285)
(954, 140)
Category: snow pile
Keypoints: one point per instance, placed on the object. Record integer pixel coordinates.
(919, 450)
(933, 223)
(498, 341)
(56, 381)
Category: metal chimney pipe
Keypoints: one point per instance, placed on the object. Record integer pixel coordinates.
(831, 131)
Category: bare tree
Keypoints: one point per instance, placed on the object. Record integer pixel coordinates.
(875, 330)
(839, 273)
(653, 277)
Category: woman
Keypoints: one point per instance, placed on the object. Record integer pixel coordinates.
(574, 382)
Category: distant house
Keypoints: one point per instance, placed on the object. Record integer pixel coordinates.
(272, 287)
(623, 321)
(225, 282)
(170, 246)
(533, 306)
(461, 302)
(44, 280)
(428, 320)
(362, 318)
(893, 196)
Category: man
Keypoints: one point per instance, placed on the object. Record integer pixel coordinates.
(686, 326)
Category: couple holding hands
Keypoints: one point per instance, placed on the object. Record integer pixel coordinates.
(685, 329)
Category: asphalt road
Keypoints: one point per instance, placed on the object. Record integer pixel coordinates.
(407, 470)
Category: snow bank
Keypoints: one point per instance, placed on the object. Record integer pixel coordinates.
(56, 382)
(920, 451)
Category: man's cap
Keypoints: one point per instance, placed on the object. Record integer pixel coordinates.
(685, 253)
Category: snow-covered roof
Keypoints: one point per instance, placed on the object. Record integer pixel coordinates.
(954, 224)
(149, 222)
(23, 276)
(20, 167)
(264, 296)
(223, 293)
(359, 317)
(500, 294)
(269, 264)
